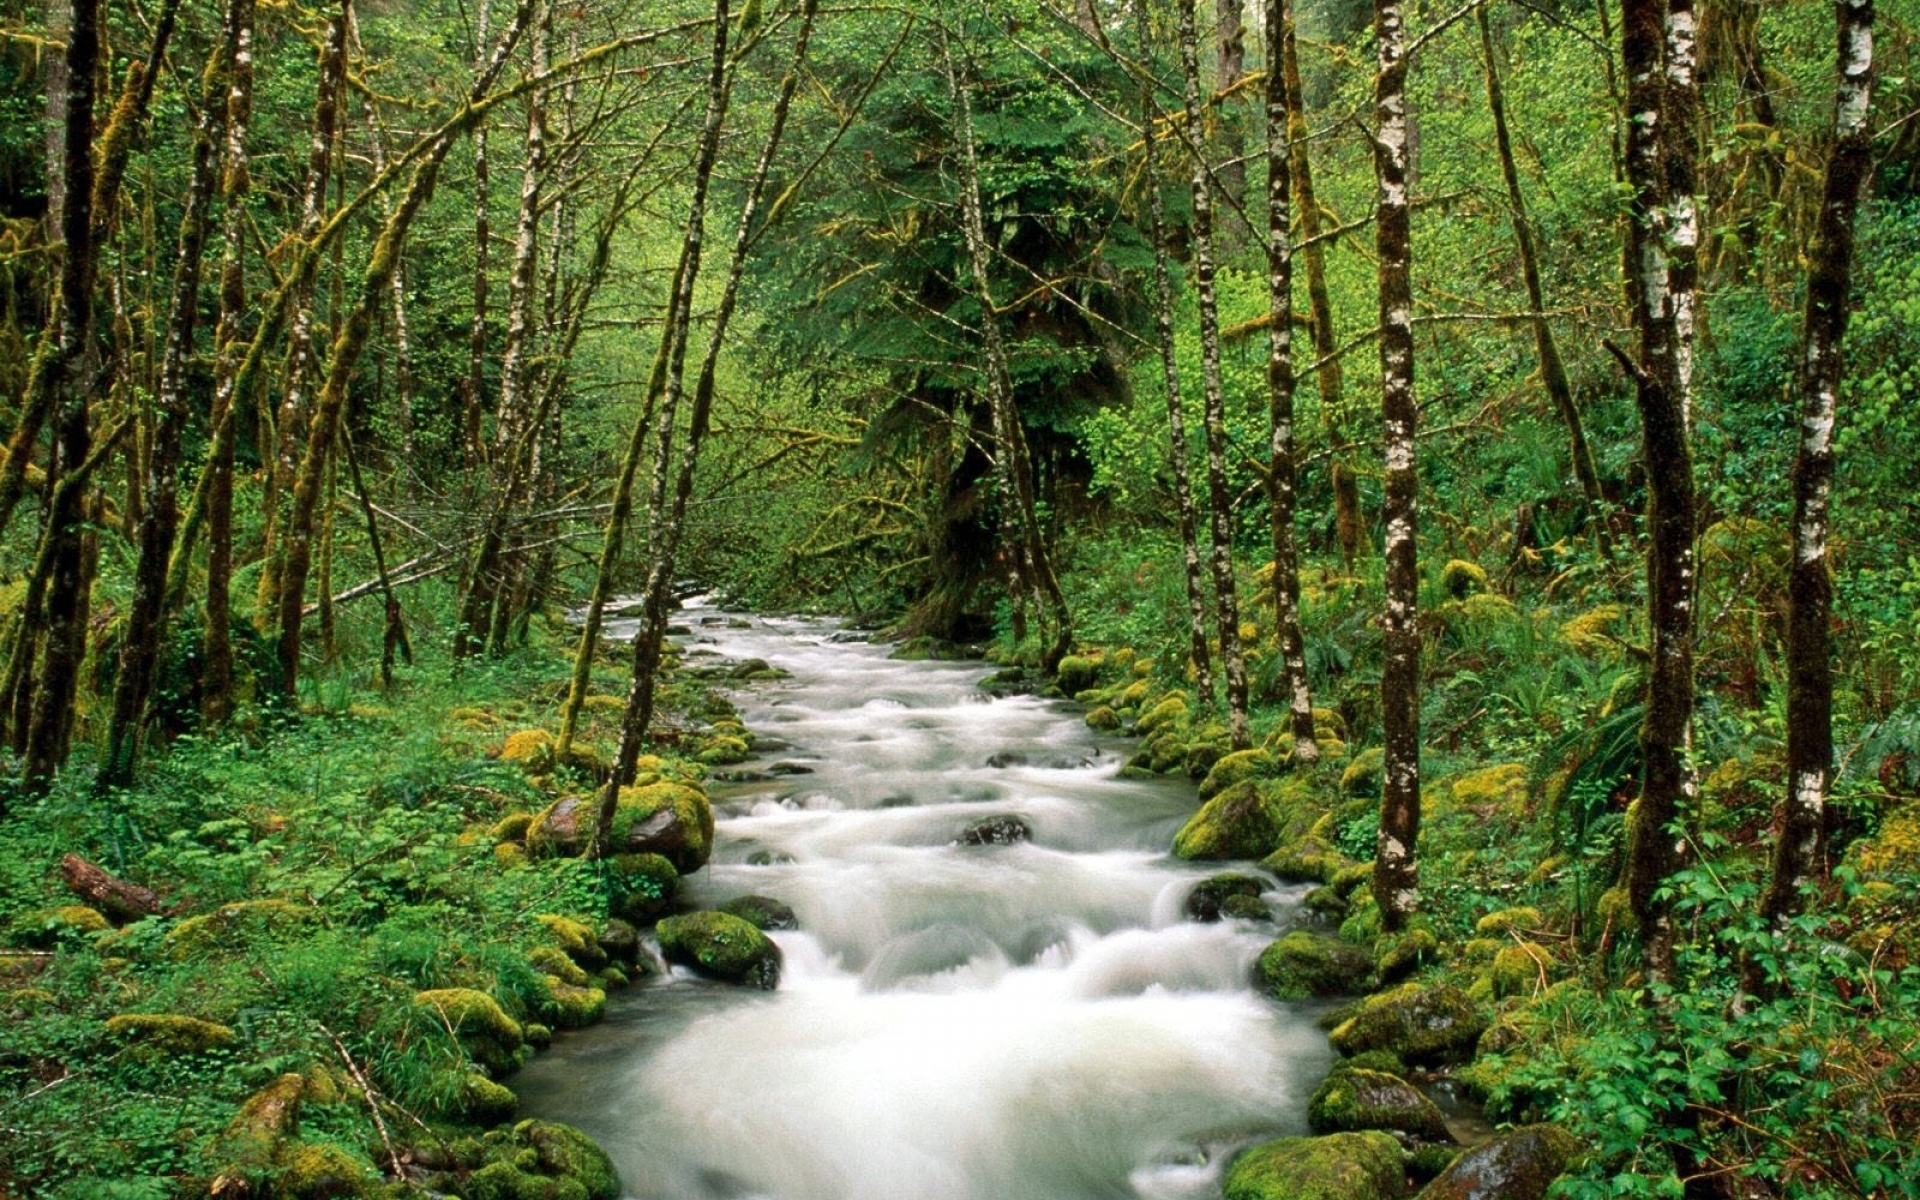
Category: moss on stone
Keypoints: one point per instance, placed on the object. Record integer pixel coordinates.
(551, 960)
(170, 1033)
(1103, 718)
(1341, 1166)
(320, 1171)
(1460, 578)
(1518, 1165)
(1363, 774)
(573, 1006)
(1304, 964)
(566, 1153)
(479, 1023)
(1249, 820)
(1520, 969)
(512, 827)
(531, 748)
(576, 938)
(1351, 878)
(1422, 1025)
(1515, 920)
(641, 886)
(232, 927)
(1207, 900)
(723, 749)
(482, 1101)
(1077, 672)
(1357, 1099)
(45, 928)
(1495, 791)
(1399, 956)
(509, 855)
(1308, 860)
(1237, 767)
(721, 945)
(1172, 709)
(762, 912)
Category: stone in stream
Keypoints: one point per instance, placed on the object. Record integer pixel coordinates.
(1424, 1026)
(1210, 898)
(722, 946)
(1514, 1166)
(664, 818)
(1002, 830)
(762, 912)
(1340, 1166)
(1304, 964)
(1354, 1099)
(1247, 820)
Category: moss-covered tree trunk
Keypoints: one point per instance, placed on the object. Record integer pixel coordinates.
(1796, 855)
(476, 382)
(1281, 470)
(1219, 499)
(1396, 874)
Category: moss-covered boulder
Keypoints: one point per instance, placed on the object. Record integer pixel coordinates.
(168, 1034)
(762, 912)
(1520, 969)
(575, 938)
(1401, 955)
(1076, 673)
(481, 1100)
(511, 828)
(1509, 920)
(532, 749)
(1423, 1025)
(1460, 579)
(1237, 767)
(1357, 1099)
(722, 946)
(1249, 820)
(1519, 1165)
(1308, 860)
(231, 928)
(1103, 718)
(320, 1171)
(46, 928)
(1494, 791)
(1340, 1166)
(1305, 964)
(573, 1005)
(486, 1031)
(1363, 774)
(551, 960)
(640, 886)
(1171, 710)
(1210, 898)
(542, 1160)
(666, 818)
(722, 749)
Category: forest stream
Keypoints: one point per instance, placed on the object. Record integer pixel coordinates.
(1035, 1019)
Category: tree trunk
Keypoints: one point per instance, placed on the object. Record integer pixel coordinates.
(1280, 386)
(66, 605)
(476, 385)
(1198, 651)
(1396, 872)
(1797, 853)
(1662, 311)
(1348, 524)
(1230, 70)
(1220, 500)
(1553, 372)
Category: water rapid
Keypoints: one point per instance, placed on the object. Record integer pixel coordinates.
(1034, 1021)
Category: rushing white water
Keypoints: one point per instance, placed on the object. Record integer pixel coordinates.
(1034, 1021)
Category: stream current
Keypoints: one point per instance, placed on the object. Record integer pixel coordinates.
(1034, 1021)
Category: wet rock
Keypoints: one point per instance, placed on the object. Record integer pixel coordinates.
(669, 819)
(712, 622)
(1245, 908)
(677, 630)
(1237, 767)
(1340, 1166)
(1208, 899)
(621, 941)
(641, 886)
(743, 777)
(490, 1036)
(1424, 1026)
(46, 928)
(769, 858)
(573, 1006)
(789, 768)
(1309, 860)
(1077, 673)
(1103, 718)
(1514, 1166)
(1005, 759)
(1002, 830)
(1246, 821)
(722, 946)
(1304, 964)
(1356, 1099)
(762, 912)
(1014, 681)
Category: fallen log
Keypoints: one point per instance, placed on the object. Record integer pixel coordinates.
(120, 901)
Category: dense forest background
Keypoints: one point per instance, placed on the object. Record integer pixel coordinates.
(1498, 416)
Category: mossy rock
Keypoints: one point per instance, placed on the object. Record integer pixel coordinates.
(1103, 718)
(1519, 1165)
(1424, 1026)
(724, 749)
(1460, 579)
(1399, 956)
(479, 1023)
(510, 855)
(1135, 694)
(542, 1160)
(576, 938)
(512, 827)
(1495, 791)
(1304, 964)
(551, 960)
(1362, 776)
(482, 1101)
(662, 817)
(1309, 860)
(1358, 1099)
(762, 912)
(168, 1034)
(1077, 673)
(1171, 710)
(1323, 901)
(620, 940)
(722, 946)
(231, 928)
(321, 1171)
(1237, 767)
(640, 887)
(1249, 820)
(1167, 751)
(1509, 920)
(1520, 969)
(1340, 1166)
(573, 1005)
(531, 748)
(46, 928)
(1351, 878)
(1208, 900)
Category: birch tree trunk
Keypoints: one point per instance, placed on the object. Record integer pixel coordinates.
(476, 385)
(1280, 388)
(1797, 853)
(1220, 501)
(1198, 650)
(1396, 872)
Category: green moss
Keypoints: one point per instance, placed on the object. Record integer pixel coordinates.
(1400, 956)
(641, 886)
(576, 938)
(483, 1101)
(572, 1006)
(1305, 964)
(1237, 767)
(479, 1023)
(1248, 820)
(1422, 1025)
(512, 827)
(724, 749)
(1351, 878)
(231, 928)
(510, 855)
(1103, 718)
(670, 819)
(721, 945)
(1460, 578)
(1520, 969)
(551, 960)
(1077, 673)
(1308, 860)
(1496, 791)
(1519, 1165)
(531, 748)
(1358, 1099)
(320, 1171)
(1170, 710)
(170, 1033)
(566, 1153)
(1516, 920)
(1207, 901)
(1362, 776)
(761, 912)
(1341, 1166)
(45, 928)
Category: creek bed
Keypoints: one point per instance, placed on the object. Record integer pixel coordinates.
(1024, 1021)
